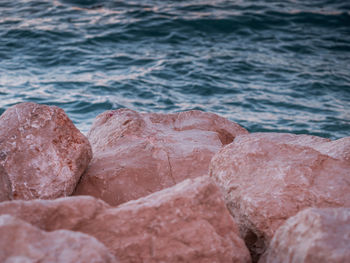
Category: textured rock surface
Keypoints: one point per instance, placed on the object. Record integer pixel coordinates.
(5, 186)
(267, 177)
(188, 222)
(42, 152)
(22, 242)
(313, 235)
(136, 154)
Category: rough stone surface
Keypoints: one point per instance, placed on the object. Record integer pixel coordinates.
(42, 151)
(22, 242)
(188, 222)
(313, 235)
(136, 154)
(268, 177)
(5, 186)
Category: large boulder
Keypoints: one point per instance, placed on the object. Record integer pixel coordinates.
(313, 235)
(5, 186)
(188, 222)
(42, 151)
(268, 177)
(22, 242)
(136, 154)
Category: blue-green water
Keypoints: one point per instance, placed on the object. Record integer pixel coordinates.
(268, 65)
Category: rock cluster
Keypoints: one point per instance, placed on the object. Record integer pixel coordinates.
(269, 197)
(136, 154)
(188, 222)
(267, 178)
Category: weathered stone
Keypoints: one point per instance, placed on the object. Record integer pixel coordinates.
(188, 222)
(5, 186)
(22, 242)
(339, 149)
(136, 154)
(42, 151)
(313, 235)
(268, 177)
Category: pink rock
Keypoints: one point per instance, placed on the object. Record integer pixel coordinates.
(339, 149)
(188, 222)
(22, 242)
(267, 178)
(42, 151)
(136, 154)
(5, 186)
(313, 235)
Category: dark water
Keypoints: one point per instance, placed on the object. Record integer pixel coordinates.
(268, 65)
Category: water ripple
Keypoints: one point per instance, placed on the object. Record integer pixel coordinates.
(270, 66)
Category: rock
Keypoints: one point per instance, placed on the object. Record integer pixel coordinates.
(268, 177)
(42, 151)
(313, 235)
(339, 149)
(188, 222)
(5, 186)
(22, 242)
(136, 154)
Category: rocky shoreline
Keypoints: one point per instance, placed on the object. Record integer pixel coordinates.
(183, 187)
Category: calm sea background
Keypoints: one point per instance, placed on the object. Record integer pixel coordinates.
(268, 65)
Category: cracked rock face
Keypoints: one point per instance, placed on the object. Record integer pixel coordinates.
(136, 154)
(22, 242)
(313, 235)
(5, 186)
(188, 222)
(42, 151)
(268, 177)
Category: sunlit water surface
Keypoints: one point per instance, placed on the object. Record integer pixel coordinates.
(268, 65)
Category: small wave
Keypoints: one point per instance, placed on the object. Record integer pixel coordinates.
(271, 66)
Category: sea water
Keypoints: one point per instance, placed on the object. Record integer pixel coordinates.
(268, 65)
